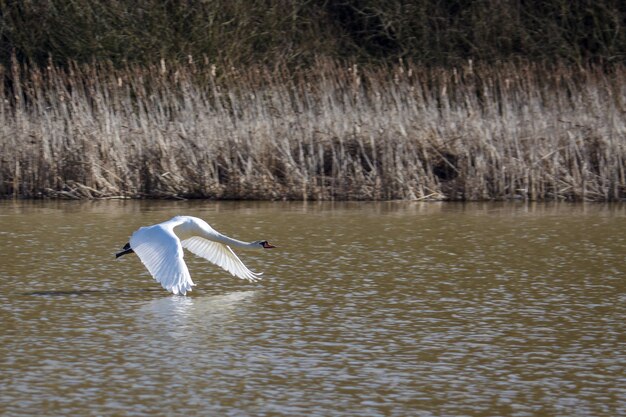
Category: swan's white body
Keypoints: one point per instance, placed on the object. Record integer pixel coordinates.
(160, 248)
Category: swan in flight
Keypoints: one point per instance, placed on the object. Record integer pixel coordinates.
(160, 248)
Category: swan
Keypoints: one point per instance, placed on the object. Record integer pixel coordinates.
(160, 249)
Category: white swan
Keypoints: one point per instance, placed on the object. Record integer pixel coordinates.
(160, 248)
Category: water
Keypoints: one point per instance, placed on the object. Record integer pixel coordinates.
(368, 309)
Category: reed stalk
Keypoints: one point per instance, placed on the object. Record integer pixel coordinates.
(332, 131)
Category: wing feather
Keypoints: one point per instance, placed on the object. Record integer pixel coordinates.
(221, 255)
(162, 253)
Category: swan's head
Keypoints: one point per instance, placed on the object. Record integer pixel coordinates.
(264, 244)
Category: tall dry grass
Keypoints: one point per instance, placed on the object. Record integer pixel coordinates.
(329, 132)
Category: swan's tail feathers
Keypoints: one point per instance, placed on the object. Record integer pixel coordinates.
(125, 251)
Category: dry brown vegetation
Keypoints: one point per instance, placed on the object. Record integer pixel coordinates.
(332, 131)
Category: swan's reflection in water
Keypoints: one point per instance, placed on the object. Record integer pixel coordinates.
(176, 307)
(204, 320)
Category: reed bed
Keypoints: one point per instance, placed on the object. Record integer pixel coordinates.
(331, 131)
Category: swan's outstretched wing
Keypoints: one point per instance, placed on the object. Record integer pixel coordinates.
(161, 252)
(221, 255)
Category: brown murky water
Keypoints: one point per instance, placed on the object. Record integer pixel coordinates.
(368, 309)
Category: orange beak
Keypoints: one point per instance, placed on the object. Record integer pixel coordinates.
(267, 245)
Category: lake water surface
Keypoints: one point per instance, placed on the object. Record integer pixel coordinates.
(365, 309)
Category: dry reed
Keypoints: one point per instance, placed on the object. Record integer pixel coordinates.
(329, 132)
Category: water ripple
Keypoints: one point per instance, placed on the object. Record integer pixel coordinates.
(362, 312)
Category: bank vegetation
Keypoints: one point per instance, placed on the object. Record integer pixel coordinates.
(330, 130)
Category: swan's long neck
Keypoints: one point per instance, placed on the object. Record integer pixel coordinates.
(195, 227)
(234, 242)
